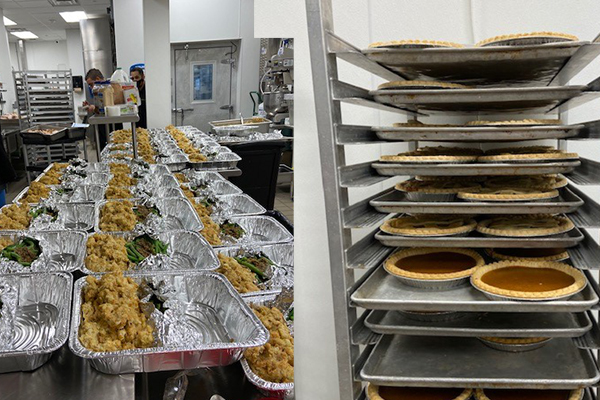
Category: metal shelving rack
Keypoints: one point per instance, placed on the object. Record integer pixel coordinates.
(355, 342)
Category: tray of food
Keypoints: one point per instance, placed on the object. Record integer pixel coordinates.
(173, 321)
(496, 324)
(262, 124)
(43, 251)
(200, 187)
(140, 251)
(384, 291)
(468, 362)
(52, 174)
(201, 177)
(156, 214)
(231, 205)
(253, 230)
(34, 318)
(48, 216)
(220, 160)
(235, 130)
(258, 270)
(46, 133)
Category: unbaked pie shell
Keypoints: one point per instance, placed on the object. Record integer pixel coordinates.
(576, 394)
(575, 287)
(373, 393)
(390, 263)
(565, 225)
(469, 225)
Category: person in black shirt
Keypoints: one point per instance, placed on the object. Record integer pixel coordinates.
(137, 75)
(7, 172)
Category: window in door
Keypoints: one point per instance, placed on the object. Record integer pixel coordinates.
(203, 80)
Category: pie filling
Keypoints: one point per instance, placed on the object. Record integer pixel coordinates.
(526, 394)
(530, 252)
(445, 262)
(416, 393)
(523, 279)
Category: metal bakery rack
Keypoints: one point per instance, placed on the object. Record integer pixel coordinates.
(375, 341)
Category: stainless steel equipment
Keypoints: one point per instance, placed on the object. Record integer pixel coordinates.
(98, 44)
(276, 84)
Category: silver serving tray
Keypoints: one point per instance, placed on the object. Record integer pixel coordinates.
(477, 133)
(259, 230)
(466, 362)
(79, 216)
(238, 205)
(224, 160)
(494, 100)
(207, 176)
(381, 291)
(218, 187)
(188, 251)
(206, 291)
(475, 169)
(477, 66)
(42, 316)
(497, 324)
(61, 251)
(396, 201)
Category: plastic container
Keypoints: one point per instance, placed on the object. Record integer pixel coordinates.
(119, 76)
(113, 111)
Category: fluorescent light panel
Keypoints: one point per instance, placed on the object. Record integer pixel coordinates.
(24, 35)
(9, 22)
(73, 16)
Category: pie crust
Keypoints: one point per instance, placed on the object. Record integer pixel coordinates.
(539, 182)
(373, 393)
(400, 85)
(391, 267)
(526, 153)
(579, 280)
(541, 35)
(576, 394)
(497, 254)
(436, 154)
(515, 341)
(412, 42)
(429, 225)
(525, 225)
(508, 194)
(447, 186)
(418, 124)
(516, 122)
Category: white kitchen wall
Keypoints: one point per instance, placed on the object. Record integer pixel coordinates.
(75, 63)
(43, 55)
(362, 22)
(129, 33)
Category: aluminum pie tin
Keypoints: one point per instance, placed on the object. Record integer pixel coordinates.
(187, 251)
(557, 234)
(433, 197)
(210, 292)
(544, 200)
(259, 229)
(60, 251)
(432, 316)
(514, 348)
(42, 319)
(498, 297)
(437, 284)
(532, 160)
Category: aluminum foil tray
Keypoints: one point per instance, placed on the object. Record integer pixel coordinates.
(174, 163)
(176, 214)
(396, 201)
(162, 180)
(237, 205)
(42, 319)
(498, 324)
(78, 216)
(88, 193)
(477, 240)
(480, 66)
(44, 172)
(218, 327)
(466, 362)
(477, 133)
(254, 137)
(382, 291)
(204, 176)
(224, 160)
(259, 230)
(19, 197)
(393, 169)
(492, 100)
(61, 251)
(217, 187)
(187, 251)
(282, 273)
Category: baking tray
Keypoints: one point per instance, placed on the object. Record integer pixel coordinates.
(212, 305)
(477, 133)
(475, 169)
(44, 304)
(395, 201)
(493, 100)
(61, 132)
(382, 291)
(478, 240)
(224, 160)
(499, 324)
(238, 205)
(477, 66)
(187, 251)
(61, 251)
(259, 230)
(466, 362)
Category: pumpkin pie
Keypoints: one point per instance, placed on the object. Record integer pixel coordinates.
(414, 43)
(527, 181)
(433, 264)
(508, 194)
(514, 344)
(419, 85)
(531, 254)
(523, 39)
(445, 186)
(529, 280)
(375, 392)
(529, 153)
(528, 394)
(438, 154)
(429, 225)
(525, 225)
(513, 122)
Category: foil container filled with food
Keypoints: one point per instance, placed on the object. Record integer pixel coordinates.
(222, 160)
(157, 192)
(163, 180)
(196, 320)
(43, 251)
(202, 187)
(41, 318)
(88, 193)
(192, 175)
(148, 251)
(255, 229)
(50, 215)
(236, 204)
(175, 162)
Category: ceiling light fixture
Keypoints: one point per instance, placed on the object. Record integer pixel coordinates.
(9, 22)
(24, 35)
(73, 16)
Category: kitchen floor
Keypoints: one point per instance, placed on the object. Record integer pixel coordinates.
(284, 202)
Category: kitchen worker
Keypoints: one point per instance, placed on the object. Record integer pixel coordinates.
(7, 172)
(91, 77)
(137, 75)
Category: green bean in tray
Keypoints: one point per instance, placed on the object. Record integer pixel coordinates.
(43, 210)
(143, 246)
(142, 212)
(232, 229)
(24, 252)
(257, 263)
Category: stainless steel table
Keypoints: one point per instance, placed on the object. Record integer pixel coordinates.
(97, 120)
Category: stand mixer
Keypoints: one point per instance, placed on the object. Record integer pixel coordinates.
(277, 83)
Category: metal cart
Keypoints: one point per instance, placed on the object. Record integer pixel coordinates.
(375, 345)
